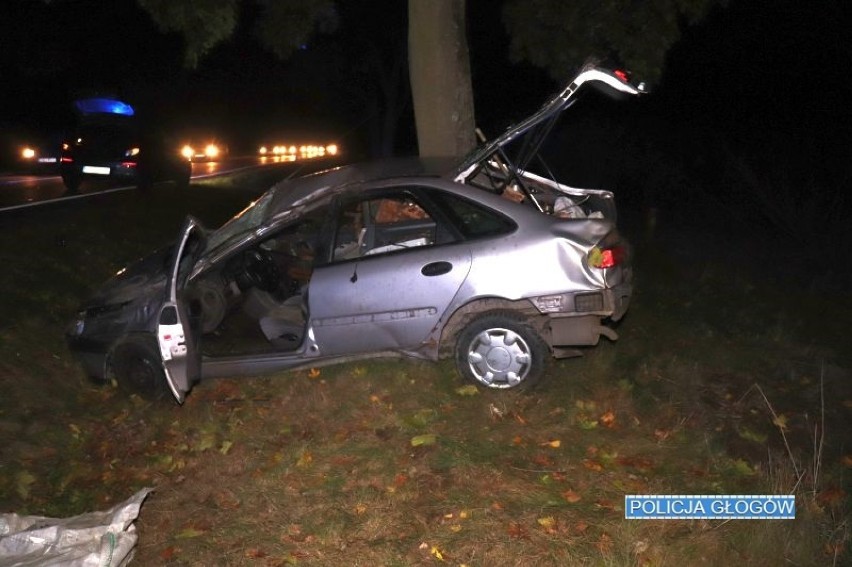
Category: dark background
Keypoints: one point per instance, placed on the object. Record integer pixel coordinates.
(787, 61)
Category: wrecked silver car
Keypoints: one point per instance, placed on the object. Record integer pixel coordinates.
(491, 261)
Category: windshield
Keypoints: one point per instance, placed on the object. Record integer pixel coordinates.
(242, 224)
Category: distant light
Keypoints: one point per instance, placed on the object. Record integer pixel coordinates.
(28, 153)
(331, 149)
(104, 106)
(262, 150)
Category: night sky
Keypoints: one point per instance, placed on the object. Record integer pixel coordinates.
(789, 60)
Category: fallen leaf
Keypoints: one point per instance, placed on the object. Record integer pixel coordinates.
(554, 444)
(516, 530)
(641, 464)
(592, 465)
(426, 439)
(548, 523)
(751, 435)
(662, 434)
(254, 553)
(607, 419)
(305, 459)
(168, 553)
(780, 421)
(468, 390)
(571, 496)
(437, 553)
(743, 468)
(313, 373)
(187, 533)
(24, 481)
(586, 423)
(542, 460)
(226, 446)
(517, 440)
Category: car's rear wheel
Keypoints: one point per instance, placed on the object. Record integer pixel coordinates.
(500, 350)
(135, 365)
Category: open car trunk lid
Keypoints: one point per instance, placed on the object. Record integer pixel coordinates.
(513, 161)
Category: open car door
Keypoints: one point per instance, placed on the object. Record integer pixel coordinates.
(178, 343)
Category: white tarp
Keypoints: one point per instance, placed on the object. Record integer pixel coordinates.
(96, 539)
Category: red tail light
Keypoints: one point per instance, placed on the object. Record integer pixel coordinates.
(606, 257)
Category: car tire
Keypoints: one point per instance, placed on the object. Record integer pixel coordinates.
(500, 350)
(135, 365)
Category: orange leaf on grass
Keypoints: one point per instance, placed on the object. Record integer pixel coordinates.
(571, 496)
(542, 460)
(607, 419)
(516, 530)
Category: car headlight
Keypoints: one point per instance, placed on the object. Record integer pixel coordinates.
(187, 152)
(28, 153)
(211, 150)
(132, 152)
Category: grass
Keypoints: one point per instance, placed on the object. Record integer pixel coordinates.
(721, 383)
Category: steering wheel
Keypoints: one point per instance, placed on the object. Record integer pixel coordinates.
(260, 270)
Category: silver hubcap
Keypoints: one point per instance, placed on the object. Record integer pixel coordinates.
(499, 358)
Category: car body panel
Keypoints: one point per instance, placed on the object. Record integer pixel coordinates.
(348, 317)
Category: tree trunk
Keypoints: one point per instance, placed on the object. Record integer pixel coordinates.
(439, 67)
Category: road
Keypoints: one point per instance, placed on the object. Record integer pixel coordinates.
(19, 191)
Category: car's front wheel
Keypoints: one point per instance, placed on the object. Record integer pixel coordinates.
(500, 350)
(135, 365)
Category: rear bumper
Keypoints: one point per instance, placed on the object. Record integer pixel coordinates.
(584, 327)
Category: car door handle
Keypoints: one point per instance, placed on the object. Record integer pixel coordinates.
(436, 268)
